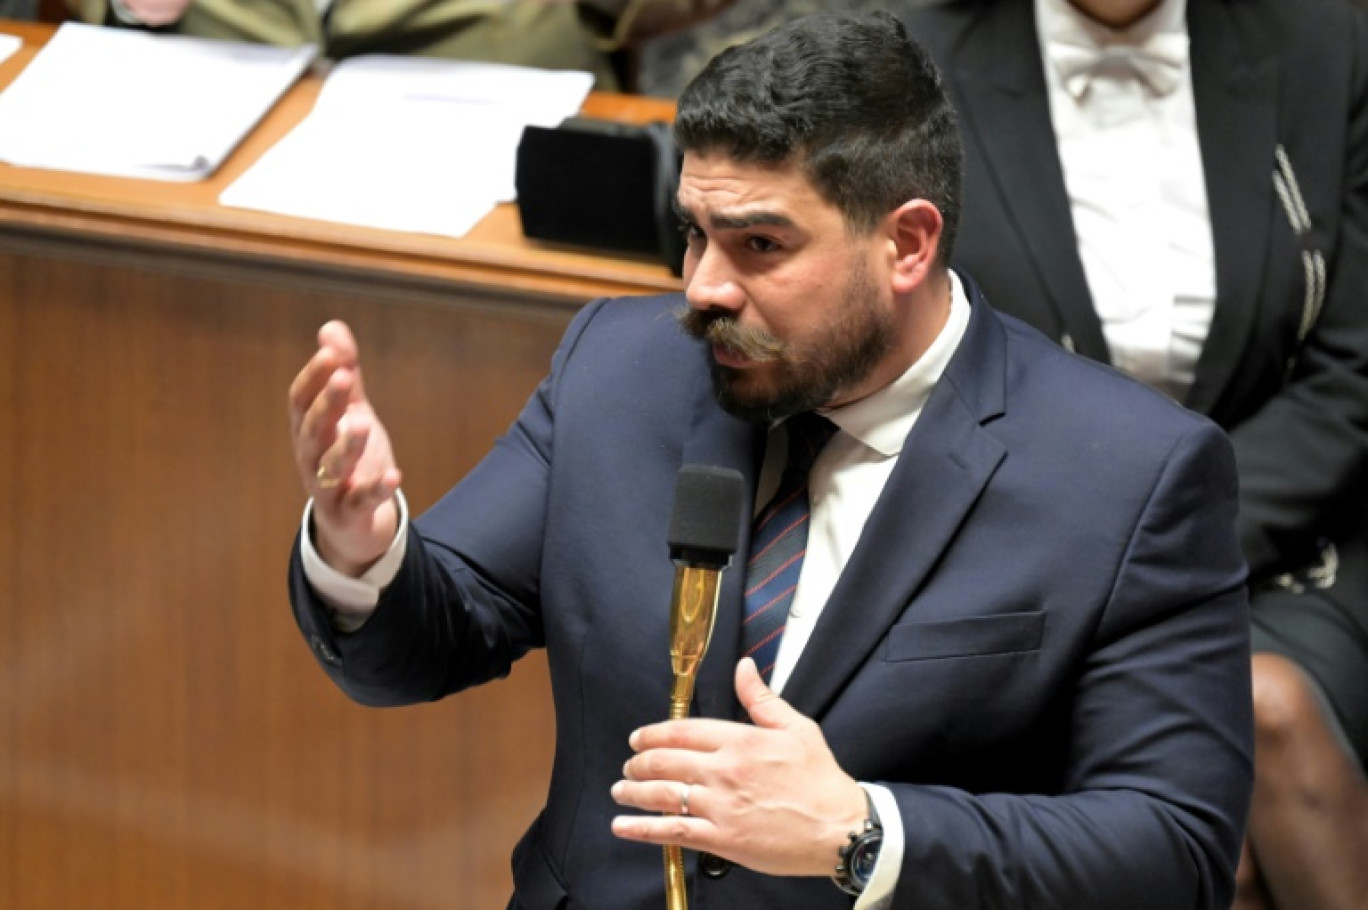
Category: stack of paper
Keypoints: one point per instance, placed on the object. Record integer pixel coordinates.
(409, 144)
(131, 104)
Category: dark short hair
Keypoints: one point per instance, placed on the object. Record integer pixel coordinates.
(852, 100)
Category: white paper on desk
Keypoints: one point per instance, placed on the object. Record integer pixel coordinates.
(408, 144)
(8, 45)
(131, 104)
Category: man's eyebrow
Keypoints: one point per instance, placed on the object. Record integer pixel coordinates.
(754, 219)
(725, 222)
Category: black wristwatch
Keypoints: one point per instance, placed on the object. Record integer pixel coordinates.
(859, 855)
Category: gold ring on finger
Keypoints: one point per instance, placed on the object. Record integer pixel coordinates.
(325, 480)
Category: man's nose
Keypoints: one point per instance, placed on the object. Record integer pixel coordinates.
(711, 283)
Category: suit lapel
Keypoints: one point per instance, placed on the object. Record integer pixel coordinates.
(716, 438)
(1235, 96)
(1006, 115)
(945, 463)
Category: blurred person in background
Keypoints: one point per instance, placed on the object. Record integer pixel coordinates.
(556, 34)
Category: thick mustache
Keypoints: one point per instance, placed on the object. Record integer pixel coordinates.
(754, 344)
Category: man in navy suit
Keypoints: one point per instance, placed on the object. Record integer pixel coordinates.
(1180, 188)
(1014, 670)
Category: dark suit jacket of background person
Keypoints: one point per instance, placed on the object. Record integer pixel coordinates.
(1265, 73)
(1048, 598)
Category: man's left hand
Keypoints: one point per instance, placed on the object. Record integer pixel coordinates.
(770, 797)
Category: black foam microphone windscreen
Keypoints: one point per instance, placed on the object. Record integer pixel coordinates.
(705, 527)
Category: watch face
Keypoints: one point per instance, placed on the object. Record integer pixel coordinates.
(864, 857)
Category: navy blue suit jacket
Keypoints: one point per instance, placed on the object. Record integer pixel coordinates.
(1039, 645)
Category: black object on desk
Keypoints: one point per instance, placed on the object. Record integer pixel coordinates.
(602, 184)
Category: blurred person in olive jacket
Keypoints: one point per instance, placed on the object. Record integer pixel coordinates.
(546, 33)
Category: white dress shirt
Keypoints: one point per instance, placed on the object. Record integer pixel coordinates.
(849, 475)
(844, 483)
(1128, 144)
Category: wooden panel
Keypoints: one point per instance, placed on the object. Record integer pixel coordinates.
(167, 740)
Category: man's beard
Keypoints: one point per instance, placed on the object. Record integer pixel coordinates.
(805, 378)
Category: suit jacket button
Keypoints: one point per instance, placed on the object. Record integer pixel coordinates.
(713, 866)
(323, 650)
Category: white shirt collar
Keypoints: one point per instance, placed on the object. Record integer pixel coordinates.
(1069, 39)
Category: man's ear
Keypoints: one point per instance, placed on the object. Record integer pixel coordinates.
(914, 232)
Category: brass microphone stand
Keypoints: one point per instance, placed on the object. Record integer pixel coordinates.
(704, 533)
(692, 611)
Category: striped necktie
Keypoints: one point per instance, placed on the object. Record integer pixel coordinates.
(778, 541)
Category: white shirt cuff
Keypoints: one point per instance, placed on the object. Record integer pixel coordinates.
(353, 600)
(879, 894)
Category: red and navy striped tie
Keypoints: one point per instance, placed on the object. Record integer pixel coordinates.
(778, 542)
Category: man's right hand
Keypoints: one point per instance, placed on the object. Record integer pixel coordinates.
(343, 456)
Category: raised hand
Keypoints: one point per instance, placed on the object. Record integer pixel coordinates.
(343, 455)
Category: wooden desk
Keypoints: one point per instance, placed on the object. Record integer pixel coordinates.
(165, 738)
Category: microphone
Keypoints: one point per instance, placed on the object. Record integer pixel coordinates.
(705, 530)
